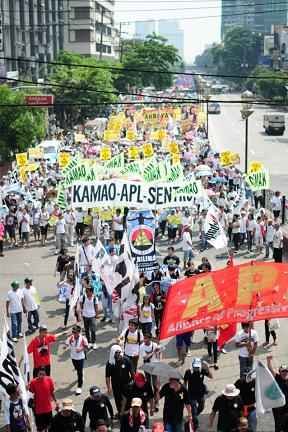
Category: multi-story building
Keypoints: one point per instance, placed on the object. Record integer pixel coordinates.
(31, 29)
(252, 14)
(90, 28)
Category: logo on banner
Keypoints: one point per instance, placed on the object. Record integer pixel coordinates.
(142, 240)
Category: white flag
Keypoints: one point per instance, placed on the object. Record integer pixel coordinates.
(214, 232)
(26, 365)
(268, 392)
(101, 258)
(74, 299)
(9, 369)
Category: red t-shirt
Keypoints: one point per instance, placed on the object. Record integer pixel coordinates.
(42, 389)
(41, 350)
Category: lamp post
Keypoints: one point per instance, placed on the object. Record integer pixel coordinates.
(246, 112)
(208, 97)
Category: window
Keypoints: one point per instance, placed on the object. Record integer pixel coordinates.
(82, 13)
(108, 49)
(109, 31)
(82, 36)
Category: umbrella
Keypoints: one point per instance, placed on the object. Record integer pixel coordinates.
(161, 369)
(202, 168)
(203, 173)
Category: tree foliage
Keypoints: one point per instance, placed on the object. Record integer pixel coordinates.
(272, 87)
(20, 126)
(79, 78)
(151, 54)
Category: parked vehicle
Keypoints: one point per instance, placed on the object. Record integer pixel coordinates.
(214, 108)
(274, 124)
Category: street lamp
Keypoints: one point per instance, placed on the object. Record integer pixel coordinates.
(246, 111)
(208, 97)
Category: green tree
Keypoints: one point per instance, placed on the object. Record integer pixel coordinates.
(152, 54)
(20, 126)
(101, 81)
(269, 84)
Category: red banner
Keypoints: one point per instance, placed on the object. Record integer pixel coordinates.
(249, 292)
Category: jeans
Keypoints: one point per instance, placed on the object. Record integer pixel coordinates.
(252, 420)
(214, 346)
(16, 323)
(107, 305)
(178, 427)
(245, 363)
(269, 332)
(146, 327)
(33, 319)
(268, 245)
(203, 241)
(250, 237)
(60, 241)
(78, 366)
(197, 406)
(67, 310)
(70, 234)
(90, 329)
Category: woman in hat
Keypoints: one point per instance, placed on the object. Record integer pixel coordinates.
(135, 418)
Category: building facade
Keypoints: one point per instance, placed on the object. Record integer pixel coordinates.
(31, 29)
(90, 28)
(252, 14)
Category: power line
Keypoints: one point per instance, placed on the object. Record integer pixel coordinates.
(156, 71)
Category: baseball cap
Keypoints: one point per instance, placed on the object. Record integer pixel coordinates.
(15, 284)
(196, 363)
(43, 327)
(67, 404)
(94, 391)
(139, 379)
(27, 280)
(283, 368)
(136, 402)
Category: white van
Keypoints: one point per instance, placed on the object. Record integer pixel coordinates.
(274, 124)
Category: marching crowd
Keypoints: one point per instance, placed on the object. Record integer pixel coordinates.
(134, 385)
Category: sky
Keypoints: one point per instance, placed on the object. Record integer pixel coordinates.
(199, 29)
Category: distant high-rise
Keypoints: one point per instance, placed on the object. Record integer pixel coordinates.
(169, 29)
(253, 15)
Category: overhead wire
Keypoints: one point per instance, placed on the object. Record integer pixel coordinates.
(156, 71)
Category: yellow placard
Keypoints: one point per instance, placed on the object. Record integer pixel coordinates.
(225, 158)
(148, 150)
(175, 158)
(64, 159)
(105, 153)
(31, 167)
(133, 153)
(21, 159)
(255, 166)
(130, 135)
(235, 158)
(173, 147)
(111, 135)
(35, 153)
(162, 134)
(22, 174)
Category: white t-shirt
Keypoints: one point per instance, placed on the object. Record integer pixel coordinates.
(29, 296)
(276, 203)
(243, 224)
(186, 241)
(25, 223)
(251, 225)
(278, 239)
(269, 233)
(79, 216)
(118, 223)
(147, 349)
(69, 218)
(60, 226)
(131, 346)
(244, 337)
(14, 298)
(88, 310)
(146, 314)
(74, 343)
(86, 260)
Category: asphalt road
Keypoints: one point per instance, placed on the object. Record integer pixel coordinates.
(39, 263)
(227, 132)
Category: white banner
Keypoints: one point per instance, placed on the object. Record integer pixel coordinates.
(111, 193)
(214, 232)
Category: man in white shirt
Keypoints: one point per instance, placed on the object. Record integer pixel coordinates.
(69, 217)
(187, 246)
(77, 345)
(86, 255)
(276, 202)
(132, 338)
(25, 227)
(30, 303)
(89, 307)
(79, 218)
(14, 309)
(247, 341)
(60, 233)
(277, 244)
(118, 226)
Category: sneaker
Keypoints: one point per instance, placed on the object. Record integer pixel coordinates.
(14, 339)
(78, 391)
(89, 345)
(223, 351)
(103, 319)
(216, 367)
(94, 346)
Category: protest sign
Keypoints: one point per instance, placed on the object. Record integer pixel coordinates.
(111, 193)
(132, 169)
(258, 180)
(105, 154)
(21, 159)
(148, 150)
(141, 236)
(64, 159)
(35, 153)
(248, 292)
(173, 147)
(131, 135)
(133, 153)
(116, 163)
(255, 166)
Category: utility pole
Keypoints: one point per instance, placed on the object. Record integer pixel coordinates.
(101, 34)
